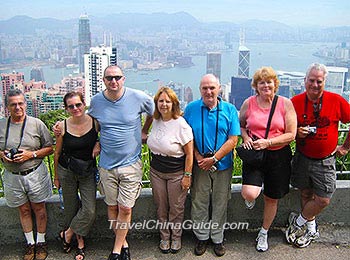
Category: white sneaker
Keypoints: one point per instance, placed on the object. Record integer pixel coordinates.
(306, 239)
(294, 231)
(262, 244)
(291, 216)
(249, 204)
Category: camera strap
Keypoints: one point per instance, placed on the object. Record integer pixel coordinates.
(8, 130)
(317, 108)
(216, 128)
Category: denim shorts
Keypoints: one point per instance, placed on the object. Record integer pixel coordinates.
(318, 175)
(35, 187)
(121, 185)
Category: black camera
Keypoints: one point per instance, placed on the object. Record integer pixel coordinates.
(209, 154)
(213, 168)
(11, 154)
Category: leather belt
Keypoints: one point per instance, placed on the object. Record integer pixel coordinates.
(26, 172)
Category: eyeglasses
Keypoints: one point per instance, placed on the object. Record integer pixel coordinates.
(21, 104)
(110, 78)
(77, 105)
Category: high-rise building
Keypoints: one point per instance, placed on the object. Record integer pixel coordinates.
(214, 63)
(291, 83)
(240, 90)
(243, 58)
(84, 40)
(36, 74)
(95, 63)
(10, 81)
(336, 79)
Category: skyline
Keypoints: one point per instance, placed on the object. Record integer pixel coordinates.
(296, 13)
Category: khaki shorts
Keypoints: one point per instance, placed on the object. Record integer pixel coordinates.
(121, 185)
(35, 187)
(318, 175)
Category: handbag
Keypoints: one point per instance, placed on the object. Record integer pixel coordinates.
(81, 167)
(254, 157)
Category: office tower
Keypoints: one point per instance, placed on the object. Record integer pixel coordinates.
(84, 40)
(291, 83)
(95, 63)
(243, 58)
(240, 90)
(37, 74)
(214, 63)
(336, 80)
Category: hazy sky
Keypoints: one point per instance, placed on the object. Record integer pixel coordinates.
(291, 12)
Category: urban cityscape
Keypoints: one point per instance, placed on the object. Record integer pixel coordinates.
(83, 48)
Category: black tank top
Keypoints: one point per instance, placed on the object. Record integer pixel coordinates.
(78, 147)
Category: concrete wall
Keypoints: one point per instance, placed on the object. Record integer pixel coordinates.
(338, 212)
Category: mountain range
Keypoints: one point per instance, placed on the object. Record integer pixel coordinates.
(155, 22)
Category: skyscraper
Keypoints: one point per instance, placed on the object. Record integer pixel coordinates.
(214, 63)
(95, 63)
(84, 40)
(36, 73)
(243, 58)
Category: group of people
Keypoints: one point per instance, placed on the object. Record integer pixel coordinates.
(190, 150)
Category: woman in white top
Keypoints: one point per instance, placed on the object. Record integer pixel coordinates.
(171, 145)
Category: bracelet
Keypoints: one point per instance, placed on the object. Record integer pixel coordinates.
(189, 174)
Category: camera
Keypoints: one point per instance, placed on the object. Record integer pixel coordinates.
(11, 154)
(209, 154)
(312, 130)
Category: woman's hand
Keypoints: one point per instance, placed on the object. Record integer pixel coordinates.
(56, 182)
(186, 182)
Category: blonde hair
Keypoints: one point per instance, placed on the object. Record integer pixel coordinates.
(265, 73)
(175, 111)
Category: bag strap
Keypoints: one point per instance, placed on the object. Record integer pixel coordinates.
(273, 106)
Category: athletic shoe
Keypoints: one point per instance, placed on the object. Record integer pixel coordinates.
(291, 216)
(249, 204)
(262, 244)
(306, 239)
(294, 230)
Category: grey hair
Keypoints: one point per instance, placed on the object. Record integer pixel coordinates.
(317, 66)
(13, 93)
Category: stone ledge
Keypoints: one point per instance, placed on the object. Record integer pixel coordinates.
(337, 212)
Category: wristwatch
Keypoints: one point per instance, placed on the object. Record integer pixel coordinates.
(214, 159)
(35, 155)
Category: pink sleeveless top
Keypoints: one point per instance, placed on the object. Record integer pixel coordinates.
(257, 118)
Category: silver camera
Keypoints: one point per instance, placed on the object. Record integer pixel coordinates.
(312, 130)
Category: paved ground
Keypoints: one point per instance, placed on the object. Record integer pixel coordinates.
(334, 244)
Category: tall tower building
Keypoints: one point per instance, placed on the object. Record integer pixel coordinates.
(95, 63)
(10, 81)
(214, 63)
(36, 73)
(84, 40)
(243, 58)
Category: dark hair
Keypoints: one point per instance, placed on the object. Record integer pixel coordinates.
(72, 94)
(111, 66)
(175, 110)
(13, 93)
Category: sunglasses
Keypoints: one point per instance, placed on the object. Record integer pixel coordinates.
(110, 78)
(77, 105)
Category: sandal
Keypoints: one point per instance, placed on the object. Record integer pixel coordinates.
(66, 246)
(80, 252)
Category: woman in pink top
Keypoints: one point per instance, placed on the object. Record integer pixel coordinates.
(275, 173)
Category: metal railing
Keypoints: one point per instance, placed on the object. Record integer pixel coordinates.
(341, 161)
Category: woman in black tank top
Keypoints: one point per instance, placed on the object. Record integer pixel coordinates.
(78, 139)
